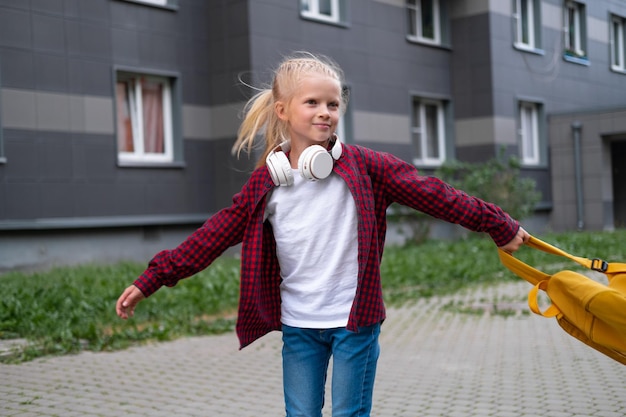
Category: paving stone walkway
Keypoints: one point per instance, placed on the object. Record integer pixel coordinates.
(435, 362)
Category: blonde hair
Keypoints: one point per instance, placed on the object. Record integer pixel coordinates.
(259, 113)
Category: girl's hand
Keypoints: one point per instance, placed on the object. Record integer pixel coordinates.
(127, 302)
(520, 238)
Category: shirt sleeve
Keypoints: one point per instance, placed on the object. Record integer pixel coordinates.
(221, 231)
(435, 197)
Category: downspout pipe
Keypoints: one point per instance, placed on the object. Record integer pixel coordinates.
(576, 129)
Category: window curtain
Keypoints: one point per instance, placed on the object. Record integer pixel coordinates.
(152, 95)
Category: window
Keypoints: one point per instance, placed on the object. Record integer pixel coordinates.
(424, 21)
(428, 131)
(144, 118)
(325, 10)
(529, 133)
(528, 24)
(575, 30)
(618, 43)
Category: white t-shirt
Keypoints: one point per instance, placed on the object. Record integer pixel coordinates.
(315, 227)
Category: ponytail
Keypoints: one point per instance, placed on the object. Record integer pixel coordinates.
(260, 118)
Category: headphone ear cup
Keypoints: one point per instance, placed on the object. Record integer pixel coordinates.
(315, 163)
(336, 150)
(279, 167)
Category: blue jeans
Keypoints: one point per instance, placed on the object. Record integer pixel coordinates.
(306, 355)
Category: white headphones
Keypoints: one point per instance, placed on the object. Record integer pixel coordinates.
(315, 163)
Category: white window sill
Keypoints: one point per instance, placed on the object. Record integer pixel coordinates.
(150, 164)
(527, 48)
(576, 60)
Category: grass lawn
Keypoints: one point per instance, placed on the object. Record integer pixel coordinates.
(66, 310)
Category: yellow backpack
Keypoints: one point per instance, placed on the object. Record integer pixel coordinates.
(588, 310)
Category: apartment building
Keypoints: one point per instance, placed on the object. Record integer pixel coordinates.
(117, 116)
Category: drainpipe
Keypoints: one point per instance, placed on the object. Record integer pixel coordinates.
(576, 128)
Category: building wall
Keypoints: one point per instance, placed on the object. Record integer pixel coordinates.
(57, 63)
(594, 208)
(63, 197)
(61, 188)
(381, 67)
(489, 82)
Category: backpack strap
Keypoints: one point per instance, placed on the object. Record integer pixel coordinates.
(534, 276)
(533, 304)
(521, 269)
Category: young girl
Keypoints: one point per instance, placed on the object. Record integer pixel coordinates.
(311, 220)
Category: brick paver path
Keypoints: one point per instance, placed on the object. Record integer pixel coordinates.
(433, 363)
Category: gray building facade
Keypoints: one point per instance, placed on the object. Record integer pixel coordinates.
(117, 116)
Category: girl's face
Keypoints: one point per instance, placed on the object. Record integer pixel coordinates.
(312, 113)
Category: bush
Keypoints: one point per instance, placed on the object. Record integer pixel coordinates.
(494, 181)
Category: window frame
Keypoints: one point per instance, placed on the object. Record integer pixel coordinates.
(618, 43)
(313, 12)
(424, 139)
(578, 51)
(533, 25)
(529, 140)
(172, 135)
(415, 30)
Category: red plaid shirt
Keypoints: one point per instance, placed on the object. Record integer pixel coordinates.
(375, 180)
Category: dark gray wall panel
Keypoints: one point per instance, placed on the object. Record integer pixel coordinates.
(472, 67)
(21, 148)
(23, 201)
(15, 28)
(75, 175)
(48, 33)
(73, 45)
(93, 41)
(96, 11)
(125, 46)
(3, 197)
(56, 158)
(90, 77)
(18, 69)
(50, 72)
(48, 6)
(55, 197)
(477, 153)
(227, 51)
(542, 178)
